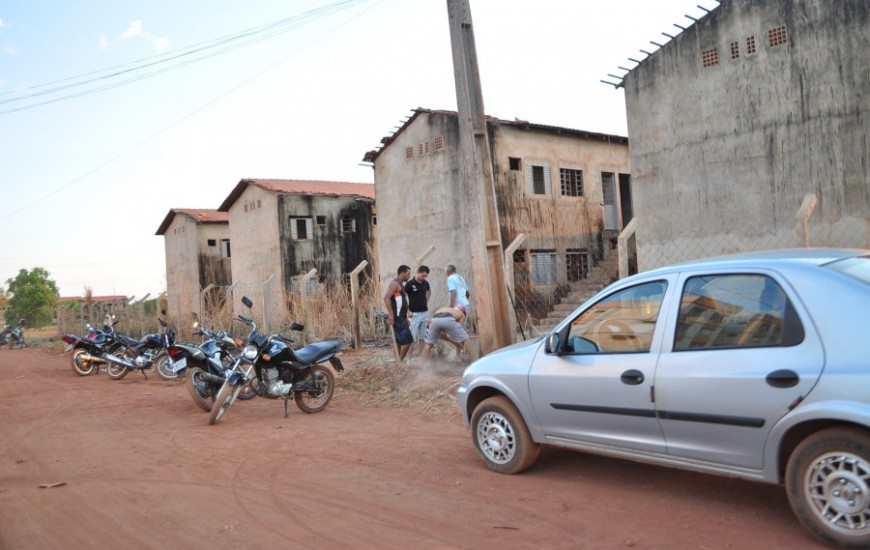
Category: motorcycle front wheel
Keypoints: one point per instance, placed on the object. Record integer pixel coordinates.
(222, 402)
(79, 365)
(199, 389)
(316, 390)
(163, 363)
(17, 344)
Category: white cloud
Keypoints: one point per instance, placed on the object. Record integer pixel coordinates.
(1, 23)
(10, 50)
(104, 44)
(135, 30)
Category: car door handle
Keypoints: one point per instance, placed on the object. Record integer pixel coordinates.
(632, 377)
(783, 378)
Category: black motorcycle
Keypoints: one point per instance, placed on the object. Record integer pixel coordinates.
(13, 335)
(276, 371)
(149, 351)
(98, 347)
(205, 365)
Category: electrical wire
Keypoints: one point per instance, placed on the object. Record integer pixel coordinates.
(192, 54)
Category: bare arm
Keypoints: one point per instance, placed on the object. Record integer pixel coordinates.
(389, 296)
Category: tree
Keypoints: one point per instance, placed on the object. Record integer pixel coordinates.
(32, 296)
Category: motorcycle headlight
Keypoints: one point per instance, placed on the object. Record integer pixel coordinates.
(250, 352)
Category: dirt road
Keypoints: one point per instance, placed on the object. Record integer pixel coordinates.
(142, 469)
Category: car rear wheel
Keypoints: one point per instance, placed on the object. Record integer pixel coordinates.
(501, 437)
(828, 485)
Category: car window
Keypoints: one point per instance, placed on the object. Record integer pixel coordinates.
(735, 311)
(620, 323)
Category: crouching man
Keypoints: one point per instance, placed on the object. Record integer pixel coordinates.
(447, 320)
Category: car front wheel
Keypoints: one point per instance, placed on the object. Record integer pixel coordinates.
(501, 437)
(828, 485)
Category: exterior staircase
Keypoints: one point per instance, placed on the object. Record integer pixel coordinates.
(604, 273)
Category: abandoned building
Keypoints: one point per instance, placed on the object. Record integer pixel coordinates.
(282, 229)
(569, 192)
(743, 115)
(93, 309)
(197, 243)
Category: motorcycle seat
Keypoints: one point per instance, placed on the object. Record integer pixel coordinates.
(126, 340)
(313, 353)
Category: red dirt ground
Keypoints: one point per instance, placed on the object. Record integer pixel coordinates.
(142, 468)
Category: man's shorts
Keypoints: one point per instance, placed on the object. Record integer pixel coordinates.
(419, 322)
(448, 325)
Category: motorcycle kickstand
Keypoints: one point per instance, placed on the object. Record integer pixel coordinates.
(286, 412)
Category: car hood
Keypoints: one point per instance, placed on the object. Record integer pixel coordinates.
(520, 356)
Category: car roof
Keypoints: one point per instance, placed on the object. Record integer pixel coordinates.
(767, 258)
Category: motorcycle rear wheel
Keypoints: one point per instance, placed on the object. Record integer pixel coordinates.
(81, 367)
(204, 402)
(162, 363)
(222, 402)
(315, 400)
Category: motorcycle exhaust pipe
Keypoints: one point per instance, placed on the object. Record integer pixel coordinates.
(119, 361)
(88, 358)
(213, 378)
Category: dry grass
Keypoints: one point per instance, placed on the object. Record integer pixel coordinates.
(430, 389)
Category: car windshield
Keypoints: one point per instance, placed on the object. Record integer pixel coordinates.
(857, 268)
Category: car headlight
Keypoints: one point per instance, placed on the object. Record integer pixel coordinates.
(250, 352)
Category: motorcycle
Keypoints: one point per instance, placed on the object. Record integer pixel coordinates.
(277, 371)
(205, 365)
(14, 336)
(150, 351)
(97, 348)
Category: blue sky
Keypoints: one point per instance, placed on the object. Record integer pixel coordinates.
(87, 180)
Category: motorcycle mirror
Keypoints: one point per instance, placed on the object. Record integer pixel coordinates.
(297, 326)
(195, 324)
(247, 301)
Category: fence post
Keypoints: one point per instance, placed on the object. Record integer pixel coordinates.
(509, 279)
(803, 218)
(354, 300)
(266, 324)
(622, 246)
(230, 306)
(303, 292)
(425, 255)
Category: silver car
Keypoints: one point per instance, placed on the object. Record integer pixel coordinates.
(753, 365)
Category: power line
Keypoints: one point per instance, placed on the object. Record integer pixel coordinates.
(164, 62)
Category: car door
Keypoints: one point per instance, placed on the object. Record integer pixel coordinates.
(595, 390)
(739, 354)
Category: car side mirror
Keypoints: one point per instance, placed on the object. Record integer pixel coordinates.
(553, 344)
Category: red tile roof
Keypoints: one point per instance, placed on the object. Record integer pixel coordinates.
(365, 191)
(198, 215)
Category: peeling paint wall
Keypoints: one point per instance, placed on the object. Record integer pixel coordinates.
(190, 262)
(725, 153)
(418, 192)
(330, 248)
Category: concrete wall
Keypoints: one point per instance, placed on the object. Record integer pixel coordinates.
(182, 267)
(553, 221)
(328, 249)
(418, 204)
(256, 249)
(722, 155)
(213, 268)
(418, 196)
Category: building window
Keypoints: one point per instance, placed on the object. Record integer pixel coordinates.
(301, 228)
(374, 219)
(225, 248)
(577, 264)
(321, 221)
(572, 182)
(515, 163)
(543, 269)
(212, 242)
(777, 37)
(735, 50)
(348, 225)
(750, 45)
(439, 143)
(710, 57)
(409, 152)
(538, 180)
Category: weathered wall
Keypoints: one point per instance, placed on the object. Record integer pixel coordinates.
(213, 269)
(254, 237)
(725, 153)
(182, 271)
(328, 249)
(553, 221)
(418, 200)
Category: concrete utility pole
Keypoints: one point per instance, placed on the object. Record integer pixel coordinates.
(479, 206)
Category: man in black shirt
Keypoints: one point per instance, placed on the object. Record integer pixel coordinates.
(418, 293)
